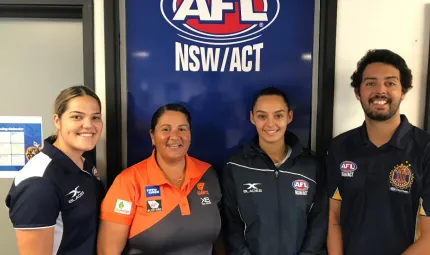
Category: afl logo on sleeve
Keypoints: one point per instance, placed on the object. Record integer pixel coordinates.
(152, 191)
(301, 187)
(348, 168)
(401, 178)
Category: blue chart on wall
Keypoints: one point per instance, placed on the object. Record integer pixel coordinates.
(213, 56)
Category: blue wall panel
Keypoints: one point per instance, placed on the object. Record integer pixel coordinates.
(213, 61)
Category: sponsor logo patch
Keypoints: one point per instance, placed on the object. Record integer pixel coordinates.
(206, 201)
(153, 205)
(123, 207)
(152, 191)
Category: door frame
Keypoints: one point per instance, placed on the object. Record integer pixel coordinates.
(61, 9)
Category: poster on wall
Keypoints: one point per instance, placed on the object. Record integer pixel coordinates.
(20, 140)
(212, 57)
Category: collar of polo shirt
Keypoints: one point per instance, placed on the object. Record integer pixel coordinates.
(156, 176)
(396, 139)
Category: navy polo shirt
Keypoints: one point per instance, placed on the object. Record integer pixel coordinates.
(383, 190)
(52, 191)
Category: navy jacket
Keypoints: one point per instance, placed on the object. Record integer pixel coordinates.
(270, 210)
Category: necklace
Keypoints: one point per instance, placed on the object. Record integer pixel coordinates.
(178, 182)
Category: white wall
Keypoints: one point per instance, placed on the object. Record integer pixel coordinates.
(399, 25)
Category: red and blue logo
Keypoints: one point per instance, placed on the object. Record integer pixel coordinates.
(301, 185)
(347, 168)
(220, 22)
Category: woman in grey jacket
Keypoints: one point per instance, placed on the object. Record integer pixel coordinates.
(273, 198)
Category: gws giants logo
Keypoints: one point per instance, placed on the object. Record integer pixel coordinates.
(219, 23)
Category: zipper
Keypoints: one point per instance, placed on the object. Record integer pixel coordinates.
(270, 163)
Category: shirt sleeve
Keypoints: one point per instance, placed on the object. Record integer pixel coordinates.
(119, 204)
(33, 203)
(425, 194)
(333, 176)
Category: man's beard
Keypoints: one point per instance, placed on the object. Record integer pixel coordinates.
(380, 116)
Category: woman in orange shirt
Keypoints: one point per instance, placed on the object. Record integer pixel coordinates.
(167, 203)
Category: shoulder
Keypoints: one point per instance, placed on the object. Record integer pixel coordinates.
(309, 157)
(344, 139)
(346, 136)
(40, 166)
(200, 165)
(131, 171)
(421, 138)
(238, 157)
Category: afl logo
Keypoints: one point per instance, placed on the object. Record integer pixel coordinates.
(347, 168)
(301, 187)
(220, 22)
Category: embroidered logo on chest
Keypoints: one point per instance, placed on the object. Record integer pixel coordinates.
(75, 194)
(401, 178)
(152, 191)
(96, 173)
(153, 205)
(252, 188)
(205, 201)
(301, 187)
(201, 189)
(348, 168)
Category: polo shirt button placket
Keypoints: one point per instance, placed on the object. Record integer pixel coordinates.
(184, 205)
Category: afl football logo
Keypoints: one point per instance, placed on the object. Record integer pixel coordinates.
(301, 187)
(220, 22)
(347, 168)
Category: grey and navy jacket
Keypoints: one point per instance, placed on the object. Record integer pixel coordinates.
(273, 210)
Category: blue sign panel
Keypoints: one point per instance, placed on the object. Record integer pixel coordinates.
(213, 56)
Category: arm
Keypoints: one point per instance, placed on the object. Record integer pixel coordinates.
(316, 233)
(117, 213)
(235, 227)
(219, 247)
(33, 209)
(35, 242)
(109, 244)
(422, 245)
(334, 237)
